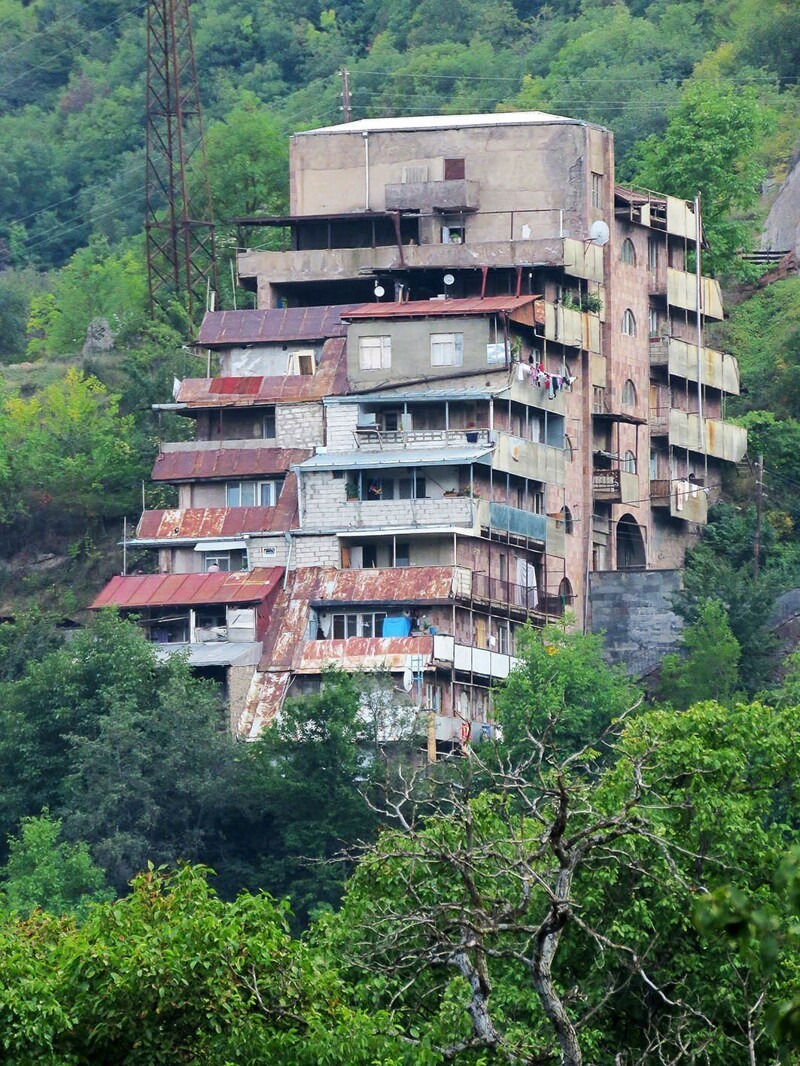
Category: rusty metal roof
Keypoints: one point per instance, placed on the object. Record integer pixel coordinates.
(161, 590)
(364, 653)
(188, 464)
(437, 308)
(264, 700)
(330, 379)
(402, 584)
(403, 457)
(272, 325)
(202, 523)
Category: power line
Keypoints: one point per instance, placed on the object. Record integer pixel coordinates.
(41, 33)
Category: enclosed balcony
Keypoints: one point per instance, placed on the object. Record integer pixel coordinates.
(615, 486)
(682, 498)
(715, 369)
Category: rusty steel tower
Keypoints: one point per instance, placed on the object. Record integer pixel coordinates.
(179, 222)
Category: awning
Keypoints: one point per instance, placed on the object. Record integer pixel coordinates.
(404, 457)
(221, 546)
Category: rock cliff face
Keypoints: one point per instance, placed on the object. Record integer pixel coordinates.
(782, 227)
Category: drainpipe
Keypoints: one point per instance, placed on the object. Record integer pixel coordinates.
(699, 323)
(365, 135)
(289, 545)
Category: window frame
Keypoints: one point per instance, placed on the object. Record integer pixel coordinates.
(627, 253)
(447, 344)
(379, 344)
(629, 328)
(629, 394)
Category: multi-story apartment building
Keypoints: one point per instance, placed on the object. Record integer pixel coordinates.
(475, 374)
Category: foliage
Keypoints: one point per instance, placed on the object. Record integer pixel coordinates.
(171, 974)
(708, 669)
(69, 454)
(44, 872)
(129, 751)
(549, 916)
(709, 146)
(564, 690)
(308, 773)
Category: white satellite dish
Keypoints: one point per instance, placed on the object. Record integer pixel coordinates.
(599, 232)
(379, 291)
(448, 279)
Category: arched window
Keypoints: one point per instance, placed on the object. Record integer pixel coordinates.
(629, 394)
(569, 525)
(631, 554)
(628, 323)
(565, 595)
(628, 253)
(629, 463)
(568, 449)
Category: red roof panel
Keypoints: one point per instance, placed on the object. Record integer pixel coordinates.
(189, 463)
(437, 308)
(272, 325)
(329, 380)
(161, 590)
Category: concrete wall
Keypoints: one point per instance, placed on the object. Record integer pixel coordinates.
(534, 168)
(269, 360)
(296, 425)
(411, 346)
(634, 609)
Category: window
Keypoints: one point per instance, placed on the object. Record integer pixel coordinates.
(569, 523)
(653, 327)
(252, 493)
(447, 349)
(597, 190)
(378, 487)
(402, 554)
(454, 170)
(232, 560)
(652, 254)
(628, 253)
(374, 353)
(653, 465)
(629, 463)
(358, 625)
(629, 394)
(268, 424)
(628, 323)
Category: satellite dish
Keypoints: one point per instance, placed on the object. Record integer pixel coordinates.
(599, 232)
(449, 279)
(379, 291)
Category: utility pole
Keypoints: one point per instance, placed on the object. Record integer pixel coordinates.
(759, 502)
(179, 223)
(346, 109)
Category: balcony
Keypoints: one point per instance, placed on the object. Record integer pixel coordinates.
(425, 196)
(513, 520)
(568, 326)
(615, 486)
(372, 438)
(718, 370)
(497, 590)
(683, 499)
(682, 292)
(471, 660)
(711, 436)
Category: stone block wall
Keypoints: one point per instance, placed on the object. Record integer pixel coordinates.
(634, 608)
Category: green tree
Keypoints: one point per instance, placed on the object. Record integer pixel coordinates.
(708, 668)
(309, 771)
(709, 146)
(564, 690)
(45, 872)
(174, 974)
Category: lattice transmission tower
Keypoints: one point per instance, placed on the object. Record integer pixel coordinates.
(179, 222)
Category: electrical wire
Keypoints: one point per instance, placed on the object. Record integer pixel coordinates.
(41, 33)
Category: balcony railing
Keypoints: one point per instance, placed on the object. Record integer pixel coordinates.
(498, 590)
(374, 437)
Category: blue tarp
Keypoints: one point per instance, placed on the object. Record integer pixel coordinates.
(399, 626)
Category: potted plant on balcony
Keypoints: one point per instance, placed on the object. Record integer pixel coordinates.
(351, 490)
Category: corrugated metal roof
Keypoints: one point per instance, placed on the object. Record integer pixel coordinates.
(438, 308)
(186, 465)
(201, 523)
(395, 457)
(215, 652)
(330, 378)
(161, 590)
(364, 653)
(264, 700)
(272, 325)
(402, 584)
(428, 396)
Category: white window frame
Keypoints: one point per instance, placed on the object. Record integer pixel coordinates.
(629, 393)
(597, 189)
(269, 490)
(220, 559)
(628, 252)
(447, 349)
(628, 323)
(375, 353)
